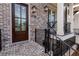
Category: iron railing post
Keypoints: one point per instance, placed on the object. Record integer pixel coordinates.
(69, 51)
(61, 47)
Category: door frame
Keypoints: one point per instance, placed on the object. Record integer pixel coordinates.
(12, 5)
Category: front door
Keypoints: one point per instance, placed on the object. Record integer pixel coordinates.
(19, 22)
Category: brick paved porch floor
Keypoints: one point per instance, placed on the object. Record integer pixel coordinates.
(28, 48)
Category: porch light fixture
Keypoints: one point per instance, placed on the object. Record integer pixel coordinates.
(34, 9)
(46, 8)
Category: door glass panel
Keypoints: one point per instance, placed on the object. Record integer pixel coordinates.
(20, 18)
(23, 24)
(17, 24)
(17, 10)
(23, 11)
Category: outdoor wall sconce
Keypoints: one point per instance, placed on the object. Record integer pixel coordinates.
(34, 9)
(46, 8)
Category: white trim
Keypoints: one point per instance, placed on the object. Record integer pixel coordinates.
(11, 21)
(29, 22)
(66, 36)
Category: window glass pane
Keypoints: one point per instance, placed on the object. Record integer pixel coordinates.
(17, 24)
(23, 11)
(51, 17)
(23, 24)
(17, 10)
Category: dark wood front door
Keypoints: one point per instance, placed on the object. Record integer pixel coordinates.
(19, 22)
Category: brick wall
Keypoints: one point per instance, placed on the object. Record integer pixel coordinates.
(40, 22)
(5, 24)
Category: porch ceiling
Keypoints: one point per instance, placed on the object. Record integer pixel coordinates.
(52, 6)
(76, 7)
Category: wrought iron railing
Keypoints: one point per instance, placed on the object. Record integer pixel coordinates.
(58, 46)
(76, 31)
(54, 45)
(68, 46)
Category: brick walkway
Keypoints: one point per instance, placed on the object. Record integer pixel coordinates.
(29, 48)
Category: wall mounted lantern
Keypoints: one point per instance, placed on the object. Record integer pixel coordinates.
(34, 9)
(46, 8)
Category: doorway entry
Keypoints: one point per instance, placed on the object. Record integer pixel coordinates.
(19, 22)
